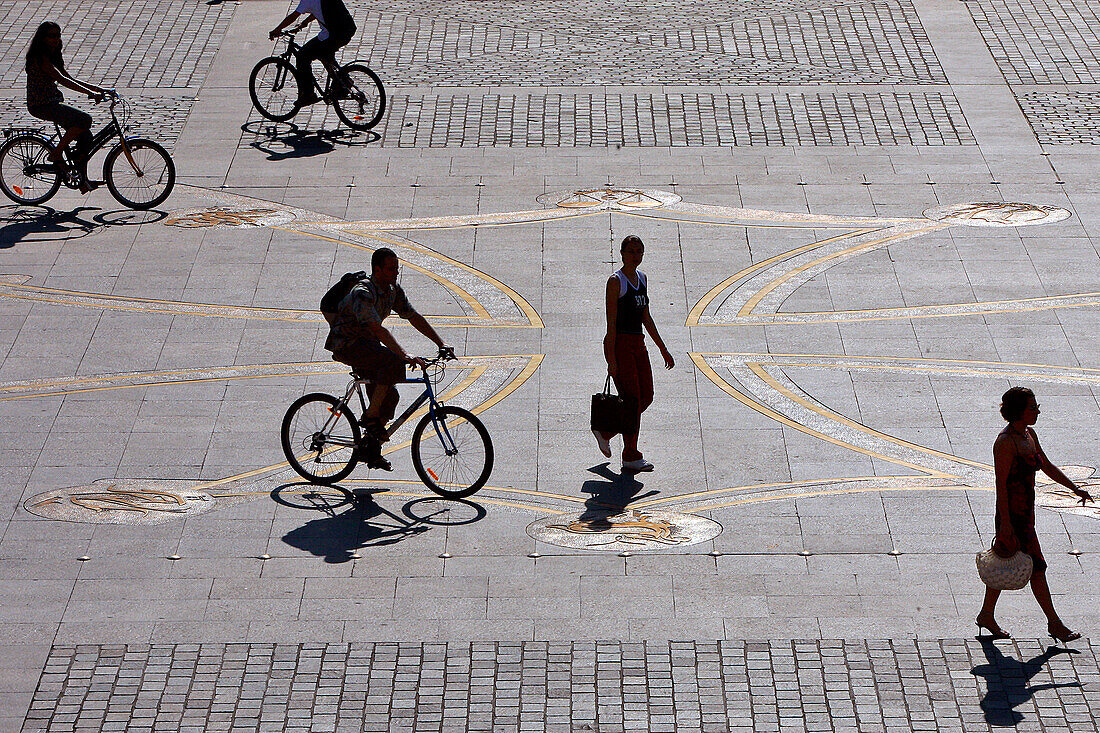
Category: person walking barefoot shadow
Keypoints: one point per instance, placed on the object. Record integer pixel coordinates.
(627, 307)
(1017, 456)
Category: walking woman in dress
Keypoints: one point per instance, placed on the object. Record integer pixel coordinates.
(45, 70)
(1017, 455)
(627, 299)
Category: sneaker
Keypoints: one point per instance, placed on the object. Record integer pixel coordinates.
(306, 101)
(603, 443)
(373, 428)
(637, 466)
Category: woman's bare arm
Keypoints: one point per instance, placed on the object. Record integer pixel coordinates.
(611, 307)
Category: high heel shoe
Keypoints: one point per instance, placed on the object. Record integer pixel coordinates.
(996, 633)
(1062, 633)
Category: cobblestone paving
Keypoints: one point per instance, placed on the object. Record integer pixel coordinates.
(782, 43)
(169, 43)
(162, 47)
(1041, 41)
(651, 120)
(812, 685)
(158, 118)
(1060, 118)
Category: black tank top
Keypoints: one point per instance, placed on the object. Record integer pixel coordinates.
(632, 304)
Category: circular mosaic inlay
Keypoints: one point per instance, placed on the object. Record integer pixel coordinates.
(225, 216)
(608, 198)
(997, 214)
(116, 502)
(633, 529)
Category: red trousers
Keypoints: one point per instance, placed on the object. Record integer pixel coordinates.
(634, 380)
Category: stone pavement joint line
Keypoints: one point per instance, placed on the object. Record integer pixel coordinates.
(811, 685)
(648, 120)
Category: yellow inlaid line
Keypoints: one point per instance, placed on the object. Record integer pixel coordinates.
(759, 487)
(704, 302)
(768, 379)
(760, 294)
(741, 397)
(470, 300)
(854, 490)
(731, 222)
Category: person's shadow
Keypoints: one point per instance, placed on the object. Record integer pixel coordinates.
(1007, 682)
(337, 536)
(609, 496)
(285, 140)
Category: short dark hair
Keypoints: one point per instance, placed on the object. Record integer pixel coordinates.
(1014, 402)
(631, 239)
(380, 256)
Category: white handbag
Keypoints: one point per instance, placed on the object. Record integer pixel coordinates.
(1001, 573)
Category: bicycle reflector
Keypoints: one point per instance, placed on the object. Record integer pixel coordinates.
(334, 411)
(18, 190)
(432, 474)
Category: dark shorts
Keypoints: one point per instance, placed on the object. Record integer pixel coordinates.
(371, 360)
(62, 114)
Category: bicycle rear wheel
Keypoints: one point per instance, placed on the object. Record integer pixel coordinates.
(363, 102)
(273, 87)
(319, 439)
(456, 461)
(25, 175)
(144, 183)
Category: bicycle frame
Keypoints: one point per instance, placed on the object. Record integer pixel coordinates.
(100, 139)
(290, 55)
(428, 395)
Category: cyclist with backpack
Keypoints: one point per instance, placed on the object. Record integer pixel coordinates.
(355, 308)
(337, 29)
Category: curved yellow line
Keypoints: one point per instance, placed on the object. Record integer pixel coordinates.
(528, 310)
(470, 300)
(760, 372)
(760, 294)
(758, 487)
(741, 397)
(809, 494)
(480, 500)
(512, 386)
(704, 302)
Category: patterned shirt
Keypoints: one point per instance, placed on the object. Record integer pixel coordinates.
(41, 89)
(366, 304)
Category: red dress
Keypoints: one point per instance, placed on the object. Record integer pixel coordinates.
(1020, 483)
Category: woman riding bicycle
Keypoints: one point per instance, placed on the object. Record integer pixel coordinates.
(45, 70)
(337, 29)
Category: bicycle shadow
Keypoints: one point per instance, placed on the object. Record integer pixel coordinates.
(610, 496)
(364, 523)
(1007, 682)
(45, 224)
(286, 140)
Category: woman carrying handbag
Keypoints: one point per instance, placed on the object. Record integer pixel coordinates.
(627, 307)
(1017, 455)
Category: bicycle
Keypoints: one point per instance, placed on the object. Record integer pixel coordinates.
(354, 91)
(451, 449)
(143, 180)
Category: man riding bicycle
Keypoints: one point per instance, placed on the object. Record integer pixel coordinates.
(337, 29)
(358, 338)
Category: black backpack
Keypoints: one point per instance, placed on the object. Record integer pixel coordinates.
(337, 21)
(330, 302)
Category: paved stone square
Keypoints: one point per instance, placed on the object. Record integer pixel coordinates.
(864, 220)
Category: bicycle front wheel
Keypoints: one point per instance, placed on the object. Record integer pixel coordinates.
(455, 460)
(362, 101)
(319, 438)
(144, 178)
(273, 87)
(26, 176)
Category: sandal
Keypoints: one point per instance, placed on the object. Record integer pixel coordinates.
(996, 633)
(1061, 633)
